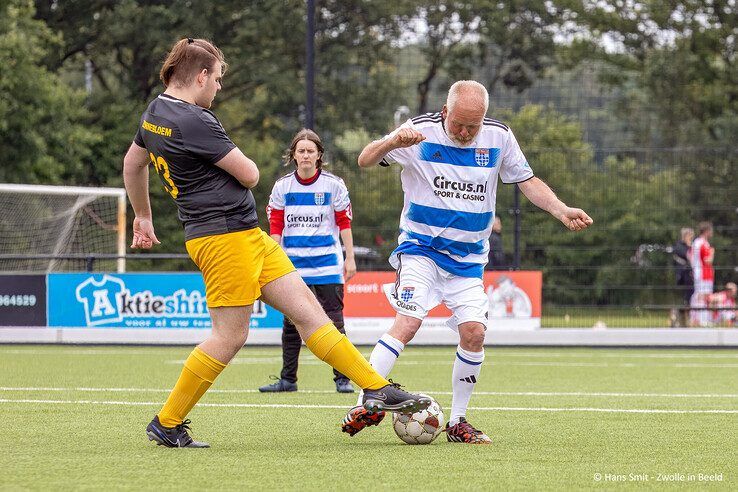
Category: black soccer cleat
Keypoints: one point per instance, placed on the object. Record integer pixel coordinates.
(343, 385)
(172, 437)
(392, 398)
(281, 385)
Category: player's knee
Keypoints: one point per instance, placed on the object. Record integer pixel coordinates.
(306, 310)
(234, 339)
(405, 328)
(472, 336)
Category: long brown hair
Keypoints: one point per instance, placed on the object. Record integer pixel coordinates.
(187, 58)
(304, 134)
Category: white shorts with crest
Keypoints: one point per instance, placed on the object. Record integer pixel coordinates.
(422, 285)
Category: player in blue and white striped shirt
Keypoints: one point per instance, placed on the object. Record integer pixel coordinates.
(451, 162)
(308, 210)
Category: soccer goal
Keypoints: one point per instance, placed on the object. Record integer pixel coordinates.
(57, 228)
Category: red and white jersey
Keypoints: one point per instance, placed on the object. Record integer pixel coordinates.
(309, 214)
(701, 269)
(723, 299)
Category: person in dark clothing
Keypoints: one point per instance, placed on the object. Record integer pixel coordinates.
(497, 259)
(683, 270)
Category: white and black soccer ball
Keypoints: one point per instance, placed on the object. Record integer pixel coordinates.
(421, 427)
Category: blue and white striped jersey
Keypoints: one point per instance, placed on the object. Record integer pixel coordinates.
(308, 214)
(450, 192)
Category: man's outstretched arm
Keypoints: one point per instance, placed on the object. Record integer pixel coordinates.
(538, 192)
(136, 180)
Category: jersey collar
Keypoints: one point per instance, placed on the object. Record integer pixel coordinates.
(309, 181)
(172, 98)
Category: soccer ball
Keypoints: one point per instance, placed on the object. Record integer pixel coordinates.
(421, 427)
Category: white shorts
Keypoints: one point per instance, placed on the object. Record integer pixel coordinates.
(422, 285)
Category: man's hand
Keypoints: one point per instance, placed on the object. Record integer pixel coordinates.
(349, 269)
(575, 219)
(143, 234)
(407, 137)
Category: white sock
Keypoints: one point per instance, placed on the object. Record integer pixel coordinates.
(383, 357)
(467, 366)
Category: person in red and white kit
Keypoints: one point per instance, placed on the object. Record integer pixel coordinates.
(308, 210)
(701, 258)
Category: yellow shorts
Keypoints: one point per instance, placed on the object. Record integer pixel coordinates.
(237, 265)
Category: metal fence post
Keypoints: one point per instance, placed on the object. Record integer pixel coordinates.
(310, 66)
(516, 211)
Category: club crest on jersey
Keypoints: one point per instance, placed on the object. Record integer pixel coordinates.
(481, 157)
(319, 198)
(407, 293)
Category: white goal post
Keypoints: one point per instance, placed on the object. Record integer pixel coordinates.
(41, 222)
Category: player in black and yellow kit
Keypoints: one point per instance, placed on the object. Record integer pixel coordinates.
(209, 179)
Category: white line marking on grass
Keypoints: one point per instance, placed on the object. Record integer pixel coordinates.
(278, 360)
(64, 351)
(415, 354)
(431, 392)
(315, 362)
(609, 364)
(626, 353)
(151, 403)
(343, 407)
(697, 364)
(603, 410)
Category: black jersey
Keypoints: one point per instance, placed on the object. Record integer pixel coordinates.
(184, 142)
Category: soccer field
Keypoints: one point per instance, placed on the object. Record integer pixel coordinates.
(73, 417)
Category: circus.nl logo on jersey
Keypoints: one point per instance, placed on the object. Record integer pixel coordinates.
(109, 301)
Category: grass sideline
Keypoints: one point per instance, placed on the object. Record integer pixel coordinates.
(558, 418)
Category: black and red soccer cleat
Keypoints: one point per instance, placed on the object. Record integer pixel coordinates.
(358, 418)
(464, 432)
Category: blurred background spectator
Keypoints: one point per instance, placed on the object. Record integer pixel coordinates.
(683, 271)
(497, 260)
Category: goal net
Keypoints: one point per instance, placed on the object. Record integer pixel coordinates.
(59, 228)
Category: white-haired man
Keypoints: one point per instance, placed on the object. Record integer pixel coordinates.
(451, 162)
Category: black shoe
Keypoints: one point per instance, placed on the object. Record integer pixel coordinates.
(172, 437)
(392, 397)
(279, 386)
(343, 385)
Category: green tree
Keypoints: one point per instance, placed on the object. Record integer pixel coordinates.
(498, 43)
(632, 203)
(673, 65)
(679, 60)
(44, 137)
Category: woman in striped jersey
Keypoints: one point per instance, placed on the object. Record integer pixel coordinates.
(308, 210)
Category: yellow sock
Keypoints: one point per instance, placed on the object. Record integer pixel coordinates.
(198, 373)
(329, 345)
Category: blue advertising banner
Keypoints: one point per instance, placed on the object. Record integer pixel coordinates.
(137, 300)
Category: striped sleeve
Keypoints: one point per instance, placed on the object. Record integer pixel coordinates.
(404, 155)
